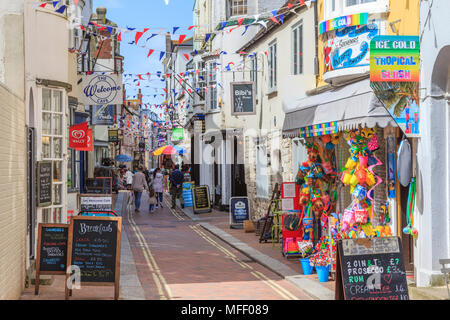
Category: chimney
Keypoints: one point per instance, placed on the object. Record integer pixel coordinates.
(101, 15)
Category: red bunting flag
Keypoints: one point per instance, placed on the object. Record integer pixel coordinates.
(43, 5)
(150, 52)
(181, 39)
(191, 27)
(274, 20)
(302, 2)
(119, 37)
(139, 35)
(186, 56)
(290, 5)
(240, 21)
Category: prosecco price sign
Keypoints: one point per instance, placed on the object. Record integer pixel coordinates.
(371, 269)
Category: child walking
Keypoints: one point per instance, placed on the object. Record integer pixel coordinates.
(152, 199)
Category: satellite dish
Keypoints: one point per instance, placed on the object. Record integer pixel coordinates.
(404, 163)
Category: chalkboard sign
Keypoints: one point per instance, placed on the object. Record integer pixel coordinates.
(371, 269)
(44, 183)
(99, 185)
(94, 247)
(243, 99)
(239, 211)
(201, 199)
(95, 202)
(51, 254)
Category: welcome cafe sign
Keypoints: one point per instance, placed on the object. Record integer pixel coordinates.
(101, 89)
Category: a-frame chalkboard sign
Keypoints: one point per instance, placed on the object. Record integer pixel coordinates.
(51, 256)
(370, 269)
(94, 247)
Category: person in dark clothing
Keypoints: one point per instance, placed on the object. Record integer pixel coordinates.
(176, 186)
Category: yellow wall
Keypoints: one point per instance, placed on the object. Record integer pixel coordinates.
(405, 10)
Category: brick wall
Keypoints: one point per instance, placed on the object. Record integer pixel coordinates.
(13, 212)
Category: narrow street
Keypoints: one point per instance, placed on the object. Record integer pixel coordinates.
(177, 259)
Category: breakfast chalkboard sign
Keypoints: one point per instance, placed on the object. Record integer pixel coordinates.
(371, 269)
(51, 254)
(94, 247)
(44, 183)
(201, 199)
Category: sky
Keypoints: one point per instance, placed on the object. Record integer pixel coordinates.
(160, 18)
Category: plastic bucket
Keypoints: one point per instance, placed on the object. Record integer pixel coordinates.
(322, 273)
(306, 267)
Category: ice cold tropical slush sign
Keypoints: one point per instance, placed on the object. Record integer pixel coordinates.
(101, 90)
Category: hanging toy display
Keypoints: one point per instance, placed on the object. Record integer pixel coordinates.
(409, 229)
(359, 175)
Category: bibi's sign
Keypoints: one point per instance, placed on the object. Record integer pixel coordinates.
(101, 90)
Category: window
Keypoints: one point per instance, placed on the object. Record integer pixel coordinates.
(211, 77)
(200, 82)
(53, 137)
(272, 65)
(297, 49)
(237, 8)
(254, 70)
(350, 3)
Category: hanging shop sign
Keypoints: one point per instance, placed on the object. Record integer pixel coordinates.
(349, 47)
(101, 90)
(177, 134)
(390, 167)
(319, 130)
(103, 115)
(239, 211)
(89, 144)
(202, 203)
(44, 183)
(78, 136)
(51, 254)
(113, 135)
(243, 98)
(344, 21)
(394, 78)
(94, 247)
(371, 269)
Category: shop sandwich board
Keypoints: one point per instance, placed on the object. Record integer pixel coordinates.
(44, 183)
(94, 247)
(99, 185)
(95, 202)
(370, 269)
(202, 203)
(239, 212)
(51, 254)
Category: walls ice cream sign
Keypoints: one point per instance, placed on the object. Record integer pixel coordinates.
(101, 90)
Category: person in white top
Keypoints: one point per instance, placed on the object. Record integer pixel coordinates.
(129, 176)
(158, 186)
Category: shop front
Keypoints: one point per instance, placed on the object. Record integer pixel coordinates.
(343, 187)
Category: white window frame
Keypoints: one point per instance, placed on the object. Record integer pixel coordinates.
(254, 70)
(48, 213)
(297, 51)
(272, 67)
(341, 8)
(237, 8)
(211, 96)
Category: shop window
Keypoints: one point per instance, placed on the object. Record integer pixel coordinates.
(272, 65)
(254, 71)
(211, 77)
(297, 49)
(349, 3)
(237, 8)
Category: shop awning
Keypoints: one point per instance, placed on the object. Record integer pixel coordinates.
(338, 109)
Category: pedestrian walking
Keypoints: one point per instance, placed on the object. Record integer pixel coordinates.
(152, 199)
(139, 185)
(176, 186)
(158, 186)
(129, 178)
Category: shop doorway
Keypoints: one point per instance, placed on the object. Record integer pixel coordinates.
(238, 186)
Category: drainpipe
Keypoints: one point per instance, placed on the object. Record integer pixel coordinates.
(316, 27)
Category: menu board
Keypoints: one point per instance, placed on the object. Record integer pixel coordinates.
(371, 269)
(51, 254)
(94, 247)
(44, 183)
(239, 210)
(99, 185)
(243, 98)
(95, 203)
(201, 199)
